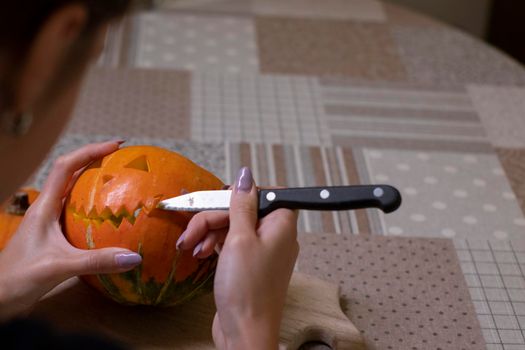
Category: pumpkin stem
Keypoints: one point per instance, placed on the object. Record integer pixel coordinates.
(19, 204)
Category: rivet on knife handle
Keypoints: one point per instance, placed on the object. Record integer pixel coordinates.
(384, 197)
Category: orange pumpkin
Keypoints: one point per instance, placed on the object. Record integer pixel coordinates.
(12, 212)
(113, 204)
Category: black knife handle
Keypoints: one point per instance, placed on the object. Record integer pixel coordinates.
(384, 197)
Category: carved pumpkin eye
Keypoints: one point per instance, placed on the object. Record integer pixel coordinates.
(107, 178)
(140, 163)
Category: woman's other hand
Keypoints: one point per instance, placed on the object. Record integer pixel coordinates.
(39, 257)
(253, 273)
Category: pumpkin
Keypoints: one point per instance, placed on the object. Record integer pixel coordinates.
(12, 212)
(113, 204)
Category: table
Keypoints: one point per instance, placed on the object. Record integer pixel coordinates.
(344, 92)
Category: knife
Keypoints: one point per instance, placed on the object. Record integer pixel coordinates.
(384, 197)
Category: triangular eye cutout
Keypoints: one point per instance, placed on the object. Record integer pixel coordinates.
(140, 163)
(107, 178)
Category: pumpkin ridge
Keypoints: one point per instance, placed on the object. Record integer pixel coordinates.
(104, 280)
(138, 274)
(111, 288)
(134, 277)
(189, 289)
(170, 278)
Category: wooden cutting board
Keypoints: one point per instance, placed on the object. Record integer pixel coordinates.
(312, 313)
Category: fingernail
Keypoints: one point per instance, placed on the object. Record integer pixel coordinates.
(244, 180)
(119, 141)
(180, 240)
(128, 259)
(198, 249)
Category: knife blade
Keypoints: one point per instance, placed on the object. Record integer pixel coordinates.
(383, 197)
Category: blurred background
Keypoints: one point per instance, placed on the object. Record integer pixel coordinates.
(499, 22)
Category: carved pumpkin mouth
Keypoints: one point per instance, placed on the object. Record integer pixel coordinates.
(107, 215)
(115, 218)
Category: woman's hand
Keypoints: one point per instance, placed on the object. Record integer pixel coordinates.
(253, 273)
(255, 266)
(38, 257)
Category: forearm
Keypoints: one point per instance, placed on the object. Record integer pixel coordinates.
(8, 309)
(13, 300)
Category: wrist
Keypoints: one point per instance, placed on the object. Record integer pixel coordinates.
(254, 334)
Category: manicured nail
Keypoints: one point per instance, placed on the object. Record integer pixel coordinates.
(198, 249)
(180, 240)
(244, 180)
(128, 259)
(119, 141)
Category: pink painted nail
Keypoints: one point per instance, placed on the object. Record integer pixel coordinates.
(118, 141)
(126, 260)
(198, 249)
(244, 180)
(180, 240)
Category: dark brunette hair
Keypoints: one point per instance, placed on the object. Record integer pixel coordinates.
(20, 21)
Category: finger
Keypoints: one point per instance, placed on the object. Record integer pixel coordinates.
(206, 247)
(67, 165)
(279, 226)
(199, 226)
(104, 260)
(243, 204)
(73, 180)
(71, 183)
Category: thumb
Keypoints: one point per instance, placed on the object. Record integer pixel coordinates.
(243, 205)
(104, 260)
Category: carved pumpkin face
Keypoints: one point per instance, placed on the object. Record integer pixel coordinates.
(113, 204)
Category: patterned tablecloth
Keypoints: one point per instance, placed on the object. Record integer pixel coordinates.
(345, 92)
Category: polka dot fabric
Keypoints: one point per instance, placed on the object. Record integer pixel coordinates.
(196, 43)
(402, 293)
(461, 195)
(134, 103)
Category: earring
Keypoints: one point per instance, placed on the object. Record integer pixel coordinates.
(16, 124)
